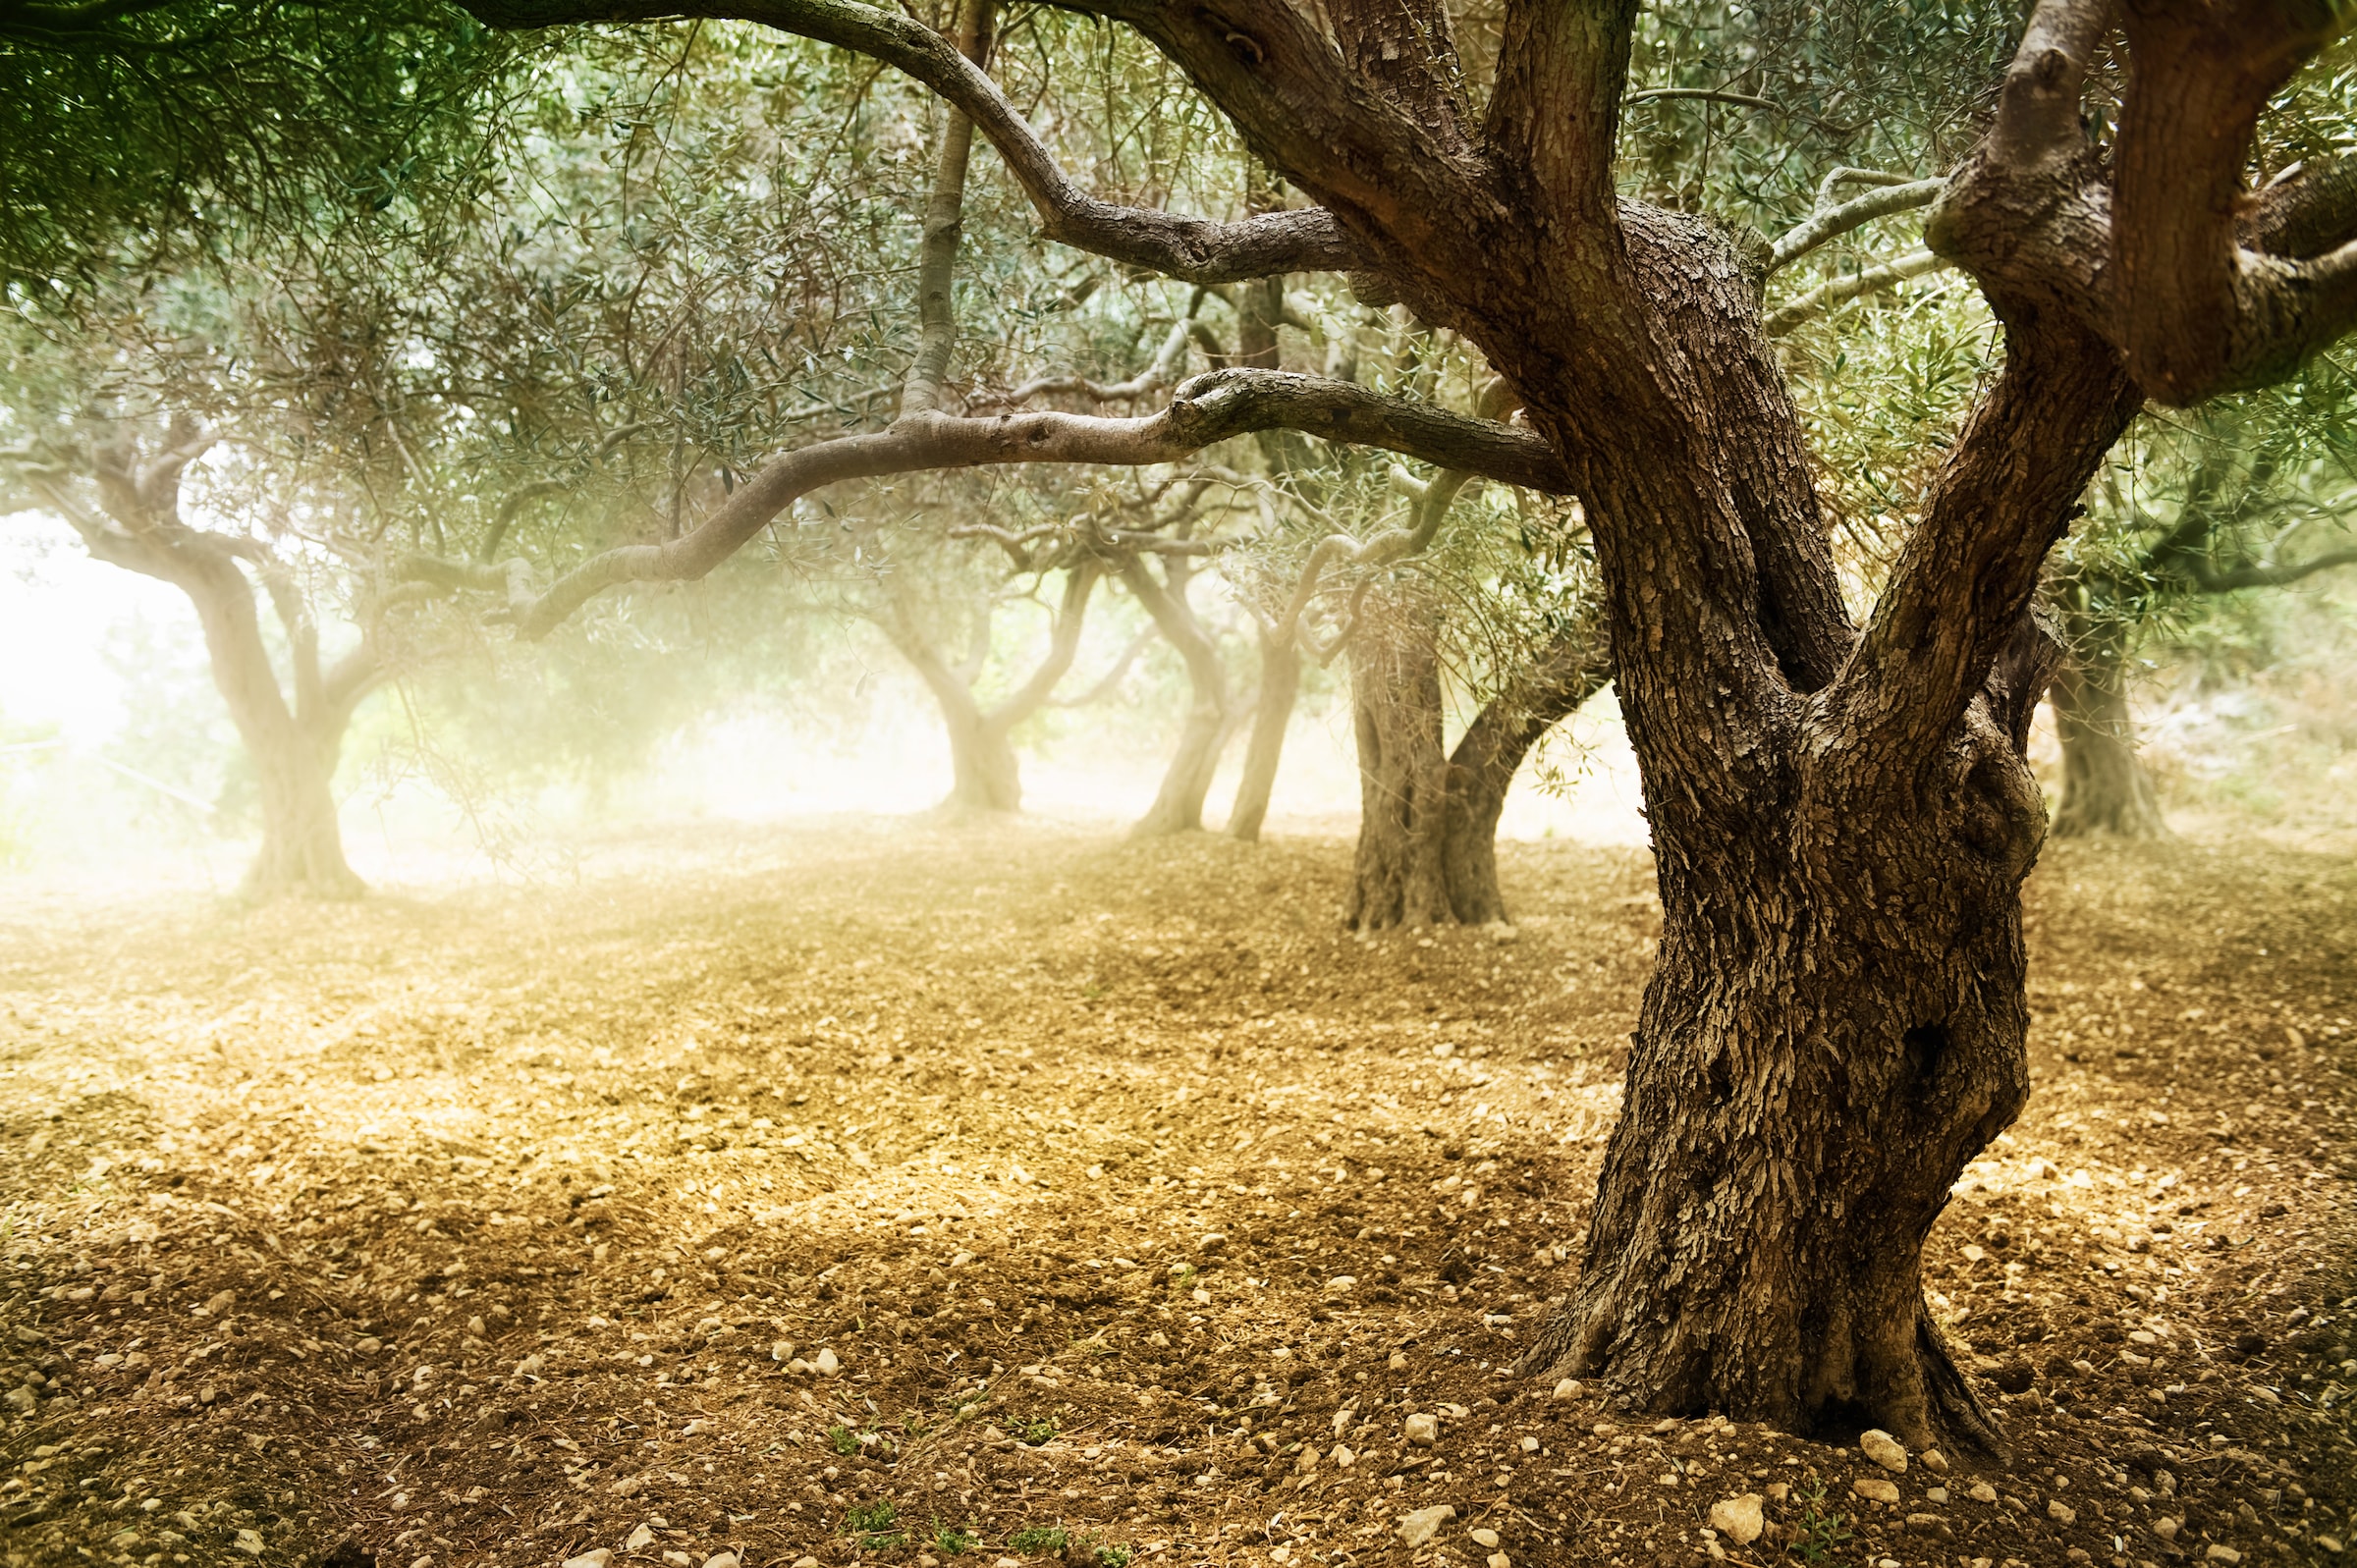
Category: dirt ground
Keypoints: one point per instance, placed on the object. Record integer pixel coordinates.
(888, 1193)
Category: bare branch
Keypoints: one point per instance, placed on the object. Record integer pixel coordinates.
(1827, 298)
(1829, 224)
(1742, 100)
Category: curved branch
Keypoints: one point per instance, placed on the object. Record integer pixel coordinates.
(1827, 298)
(1206, 409)
(1195, 250)
(1829, 224)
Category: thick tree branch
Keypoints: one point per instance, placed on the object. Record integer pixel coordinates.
(1965, 578)
(1207, 409)
(1196, 249)
(1555, 113)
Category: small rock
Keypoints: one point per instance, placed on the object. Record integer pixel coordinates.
(1422, 1431)
(1211, 1241)
(826, 1365)
(249, 1541)
(1927, 1525)
(22, 1401)
(781, 1350)
(1343, 1456)
(1933, 1461)
(477, 1327)
(220, 1302)
(2218, 1552)
(368, 1345)
(1498, 1559)
(1484, 1538)
(721, 1559)
(1780, 1491)
(2330, 1545)
(1884, 1450)
(696, 1427)
(1738, 1519)
(678, 1559)
(590, 1559)
(806, 1562)
(2015, 1377)
(1399, 1361)
(2061, 1513)
(531, 1366)
(1982, 1491)
(1417, 1528)
(960, 1258)
(1938, 1497)
(1568, 1388)
(1875, 1488)
(640, 1537)
(2167, 1528)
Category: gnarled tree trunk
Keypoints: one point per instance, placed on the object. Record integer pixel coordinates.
(2105, 788)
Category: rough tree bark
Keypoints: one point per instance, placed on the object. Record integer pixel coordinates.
(2105, 788)
(1842, 814)
(293, 745)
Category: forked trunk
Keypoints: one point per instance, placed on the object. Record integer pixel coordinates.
(1428, 822)
(1280, 690)
(2105, 788)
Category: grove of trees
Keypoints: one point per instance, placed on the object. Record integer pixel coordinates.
(1487, 353)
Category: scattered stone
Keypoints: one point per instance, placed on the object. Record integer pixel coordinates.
(1982, 1491)
(1211, 1241)
(1936, 1495)
(1498, 1559)
(249, 1541)
(1738, 1519)
(2329, 1544)
(1933, 1461)
(806, 1562)
(1884, 1450)
(2167, 1528)
(2061, 1512)
(721, 1559)
(1875, 1488)
(1423, 1431)
(1399, 1361)
(2221, 1552)
(2014, 1376)
(1484, 1538)
(781, 1350)
(1929, 1525)
(1780, 1491)
(590, 1559)
(960, 1258)
(1568, 1388)
(826, 1365)
(640, 1537)
(1419, 1526)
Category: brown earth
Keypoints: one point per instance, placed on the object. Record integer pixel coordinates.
(482, 1225)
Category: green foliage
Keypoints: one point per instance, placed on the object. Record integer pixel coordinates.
(1114, 1556)
(1040, 1539)
(1035, 1431)
(842, 1441)
(874, 1524)
(1819, 1532)
(952, 1542)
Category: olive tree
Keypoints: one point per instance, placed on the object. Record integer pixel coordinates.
(1841, 811)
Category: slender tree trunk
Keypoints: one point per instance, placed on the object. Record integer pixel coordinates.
(1397, 877)
(1280, 691)
(2105, 788)
(1178, 804)
(302, 841)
